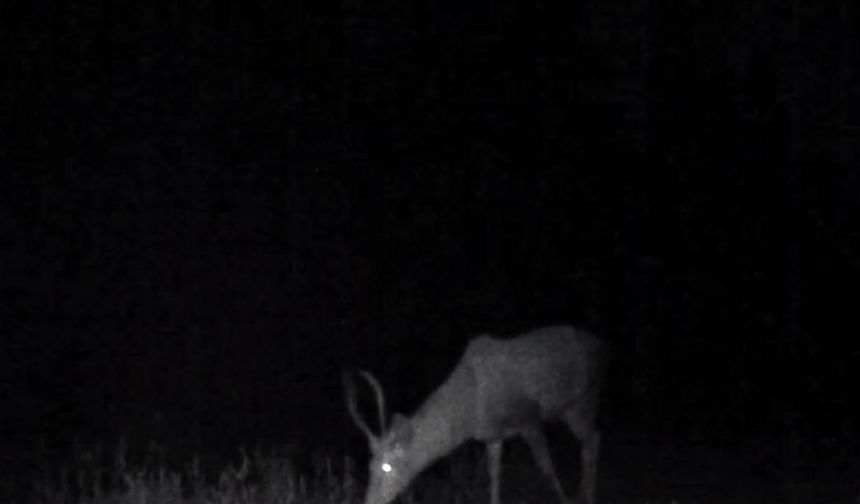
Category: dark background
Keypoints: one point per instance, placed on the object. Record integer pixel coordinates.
(208, 212)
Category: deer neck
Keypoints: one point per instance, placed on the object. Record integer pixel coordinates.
(445, 420)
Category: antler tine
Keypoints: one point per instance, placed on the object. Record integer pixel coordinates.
(380, 397)
(352, 407)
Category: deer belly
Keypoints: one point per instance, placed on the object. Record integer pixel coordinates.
(508, 418)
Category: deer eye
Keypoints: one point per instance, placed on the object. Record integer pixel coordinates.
(386, 467)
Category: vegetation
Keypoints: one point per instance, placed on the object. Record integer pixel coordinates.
(637, 471)
(96, 477)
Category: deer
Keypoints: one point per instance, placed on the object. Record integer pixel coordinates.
(501, 388)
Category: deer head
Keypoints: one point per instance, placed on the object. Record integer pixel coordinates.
(391, 469)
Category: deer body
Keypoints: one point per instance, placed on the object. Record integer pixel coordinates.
(499, 389)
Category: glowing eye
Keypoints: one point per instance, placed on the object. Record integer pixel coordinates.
(386, 467)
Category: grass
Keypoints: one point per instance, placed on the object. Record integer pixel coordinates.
(631, 474)
(258, 477)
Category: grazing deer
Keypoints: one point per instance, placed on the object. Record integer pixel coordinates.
(499, 389)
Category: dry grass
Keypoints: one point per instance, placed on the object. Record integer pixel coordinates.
(96, 476)
(257, 477)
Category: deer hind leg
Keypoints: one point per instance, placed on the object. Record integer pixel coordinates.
(494, 467)
(537, 443)
(583, 428)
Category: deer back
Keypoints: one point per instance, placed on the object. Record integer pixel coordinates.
(532, 378)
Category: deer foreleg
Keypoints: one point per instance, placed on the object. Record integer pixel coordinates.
(589, 439)
(494, 467)
(590, 453)
(537, 442)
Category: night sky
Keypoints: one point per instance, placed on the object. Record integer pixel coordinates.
(208, 212)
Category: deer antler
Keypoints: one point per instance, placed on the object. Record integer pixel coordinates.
(380, 397)
(352, 407)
